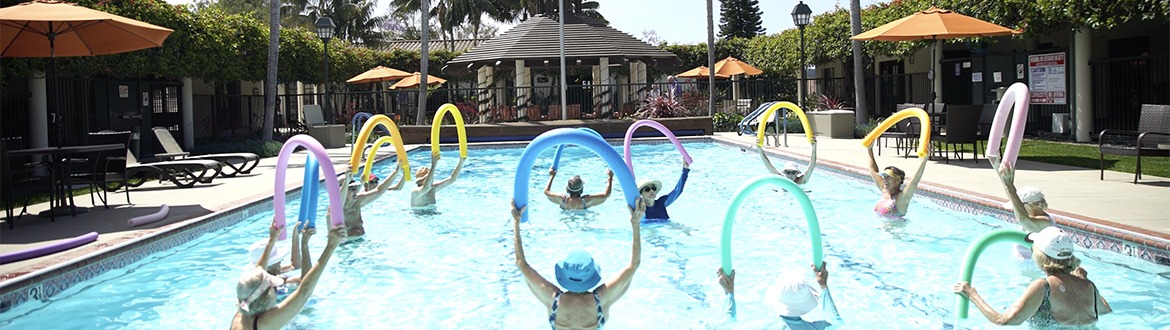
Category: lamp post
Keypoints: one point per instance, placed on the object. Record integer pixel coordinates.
(801, 15)
(325, 30)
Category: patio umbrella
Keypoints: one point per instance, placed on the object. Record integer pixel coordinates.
(412, 81)
(731, 66)
(699, 73)
(49, 28)
(933, 24)
(378, 74)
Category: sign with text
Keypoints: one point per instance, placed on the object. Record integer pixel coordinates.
(1047, 82)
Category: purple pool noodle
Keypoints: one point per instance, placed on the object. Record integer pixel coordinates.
(48, 249)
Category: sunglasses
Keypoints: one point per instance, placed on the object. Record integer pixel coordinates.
(649, 189)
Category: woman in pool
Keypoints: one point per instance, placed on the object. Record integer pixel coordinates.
(424, 194)
(791, 171)
(1064, 298)
(895, 198)
(358, 196)
(656, 205)
(264, 253)
(572, 199)
(1027, 203)
(256, 290)
(792, 297)
(579, 306)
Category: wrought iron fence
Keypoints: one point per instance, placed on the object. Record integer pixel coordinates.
(1122, 85)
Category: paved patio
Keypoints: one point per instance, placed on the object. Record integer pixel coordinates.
(1070, 191)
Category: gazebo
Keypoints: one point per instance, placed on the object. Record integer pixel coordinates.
(534, 43)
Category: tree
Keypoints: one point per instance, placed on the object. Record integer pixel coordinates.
(862, 110)
(356, 20)
(590, 9)
(273, 58)
(651, 37)
(740, 19)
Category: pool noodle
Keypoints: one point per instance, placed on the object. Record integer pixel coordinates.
(808, 130)
(924, 133)
(575, 137)
(48, 248)
(309, 192)
(1018, 95)
(331, 185)
(810, 215)
(459, 127)
(374, 152)
(658, 126)
(975, 250)
(149, 218)
(356, 155)
(560, 148)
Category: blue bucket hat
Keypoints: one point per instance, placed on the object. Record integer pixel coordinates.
(577, 272)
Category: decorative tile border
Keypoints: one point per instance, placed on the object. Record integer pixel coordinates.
(44, 284)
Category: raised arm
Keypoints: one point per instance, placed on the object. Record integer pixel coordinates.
(430, 179)
(296, 247)
(541, 287)
(1021, 310)
(285, 311)
(306, 257)
(728, 284)
(812, 164)
(767, 162)
(615, 288)
(678, 187)
(908, 193)
(597, 199)
(365, 197)
(548, 193)
(454, 175)
(273, 232)
(394, 175)
(1031, 223)
(873, 171)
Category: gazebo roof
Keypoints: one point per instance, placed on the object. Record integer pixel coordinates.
(536, 41)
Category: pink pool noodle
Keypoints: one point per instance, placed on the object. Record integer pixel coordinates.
(1014, 100)
(658, 126)
(331, 184)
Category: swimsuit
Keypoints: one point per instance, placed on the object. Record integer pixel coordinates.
(552, 317)
(657, 212)
(1043, 317)
(565, 201)
(887, 207)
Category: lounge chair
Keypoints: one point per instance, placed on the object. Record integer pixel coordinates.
(330, 135)
(183, 173)
(242, 162)
(1152, 139)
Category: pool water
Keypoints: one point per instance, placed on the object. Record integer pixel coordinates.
(454, 267)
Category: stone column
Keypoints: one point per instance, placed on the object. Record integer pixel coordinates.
(38, 112)
(188, 112)
(1084, 85)
(602, 92)
(523, 88)
(484, 82)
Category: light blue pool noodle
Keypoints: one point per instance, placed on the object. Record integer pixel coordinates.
(560, 148)
(975, 250)
(309, 192)
(810, 215)
(591, 141)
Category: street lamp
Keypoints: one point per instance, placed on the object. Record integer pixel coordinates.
(801, 16)
(325, 30)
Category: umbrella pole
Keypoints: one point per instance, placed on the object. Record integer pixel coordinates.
(931, 74)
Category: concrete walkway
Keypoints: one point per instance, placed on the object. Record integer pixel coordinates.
(1071, 191)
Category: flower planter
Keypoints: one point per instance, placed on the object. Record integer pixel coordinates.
(837, 124)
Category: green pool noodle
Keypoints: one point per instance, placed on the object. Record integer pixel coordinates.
(810, 214)
(973, 253)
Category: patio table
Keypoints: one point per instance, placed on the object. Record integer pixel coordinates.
(61, 199)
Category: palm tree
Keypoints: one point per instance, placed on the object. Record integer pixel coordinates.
(862, 111)
(356, 20)
(589, 9)
(273, 57)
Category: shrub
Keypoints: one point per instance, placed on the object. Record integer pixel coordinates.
(660, 105)
(261, 148)
(826, 102)
(860, 130)
(725, 122)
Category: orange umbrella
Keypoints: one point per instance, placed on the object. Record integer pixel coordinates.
(731, 66)
(933, 24)
(378, 74)
(412, 81)
(46, 28)
(700, 72)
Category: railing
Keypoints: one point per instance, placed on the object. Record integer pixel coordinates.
(1122, 85)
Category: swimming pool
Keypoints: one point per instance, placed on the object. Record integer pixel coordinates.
(454, 268)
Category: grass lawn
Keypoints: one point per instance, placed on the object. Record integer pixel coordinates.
(1088, 156)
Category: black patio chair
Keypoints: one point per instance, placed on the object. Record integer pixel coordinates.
(962, 126)
(1152, 139)
(107, 169)
(21, 177)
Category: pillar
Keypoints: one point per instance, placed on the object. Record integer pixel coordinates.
(188, 111)
(484, 83)
(38, 111)
(523, 87)
(1082, 45)
(602, 94)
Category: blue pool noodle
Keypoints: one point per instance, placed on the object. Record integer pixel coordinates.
(560, 136)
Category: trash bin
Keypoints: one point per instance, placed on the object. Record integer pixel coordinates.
(1060, 122)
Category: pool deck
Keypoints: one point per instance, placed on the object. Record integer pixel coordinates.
(1116, 202)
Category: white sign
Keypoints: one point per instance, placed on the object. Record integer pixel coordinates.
(997, 76)
(977, 77)
(1019, 72)
(123, 91)
(1047, 80)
